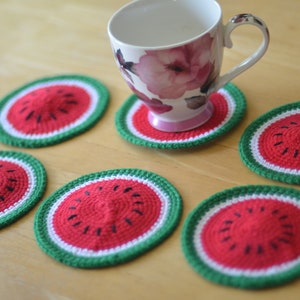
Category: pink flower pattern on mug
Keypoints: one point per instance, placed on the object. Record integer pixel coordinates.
(170, 73)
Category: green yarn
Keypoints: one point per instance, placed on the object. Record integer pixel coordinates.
(12, 136)
(86, 248)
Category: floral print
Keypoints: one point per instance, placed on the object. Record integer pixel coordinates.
(169, 73)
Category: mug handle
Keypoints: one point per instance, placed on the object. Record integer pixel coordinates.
(234, 22)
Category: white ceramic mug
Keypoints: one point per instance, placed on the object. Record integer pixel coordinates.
(170, 54)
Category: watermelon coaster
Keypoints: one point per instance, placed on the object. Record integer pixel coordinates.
(270, 145)
(107, 218)
(133, 125)
(246, 237)
(51, 110)
(22, 184)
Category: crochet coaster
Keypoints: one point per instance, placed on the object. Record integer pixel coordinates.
(107, 218)
(133, 125)
(51, 110)
(22, 184)
(246, 237)
(270, 145)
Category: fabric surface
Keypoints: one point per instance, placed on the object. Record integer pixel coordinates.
(132, 122)
(107, 218)
(270, 145)
(246, 237)
(22, 184)
(50, 110)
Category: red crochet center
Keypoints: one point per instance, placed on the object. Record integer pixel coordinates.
(279, 143)
(106, 214)
(47, 109)
(253, 234)
(220, 112)
(14, 183)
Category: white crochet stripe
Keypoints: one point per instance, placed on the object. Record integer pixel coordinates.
(165, 207)
(9, 128)
(129, 118)
(31, 184)
(235, 271)
(255, 149)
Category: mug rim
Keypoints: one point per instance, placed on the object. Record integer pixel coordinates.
(132, 4)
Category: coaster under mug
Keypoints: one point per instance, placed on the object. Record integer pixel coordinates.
(133, 125)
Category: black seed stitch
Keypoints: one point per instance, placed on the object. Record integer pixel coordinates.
(72, 207)
(100, 188)
(38, 119)
(127, 189)
(294, 123)
(138, 202)
(128, 221)
(10, 171)
(296, 152)
(259, 249)
(273, 245)
(87, 193)
(283, 240)
(285, 151)
(226, 239)
(98, 231)
(262, 209)
(52, 115)
(9, 188)
(113, 228)
(29, 115)
(72, 217)
(71, 102)
(247, 249)
(78, 200)
(228, 222)
(224, 229)
(64, 111)
(237, 215)
(283, 217)
(275, 211)
(278, 143)
(138, 212)
(232, 247)
(12, 180)
(278, 134)
(286, 127)
(86, 229)
(250, 210)
(69, 95)
(76, 224)
(115, 187)
(23, 109)
(287, 225)
(135, 195)
(2, 198)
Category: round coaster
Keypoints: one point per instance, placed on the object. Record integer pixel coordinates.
(51, 110)
(245, 237)
(133, 125)
(270, 145)
(107, 218)
(22, 184)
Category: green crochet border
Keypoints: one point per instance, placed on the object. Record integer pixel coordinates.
(62, 255)
(249, 158)
(124, 131)
(40, 181)
(201, 267)
(101, 106)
